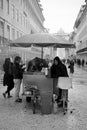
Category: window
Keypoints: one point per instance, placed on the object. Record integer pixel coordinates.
(13, 33)
(20, 18)
(8, 32)
(17, 34)
(20, 34)
(21, 2)
(1, 28)
(13, 12)
(1, 4)
(17, 15)
(24, 20)
(24, 4)
(28, 24)
(1, 32)
(7, 6)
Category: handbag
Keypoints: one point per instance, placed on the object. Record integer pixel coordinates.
(64, 83)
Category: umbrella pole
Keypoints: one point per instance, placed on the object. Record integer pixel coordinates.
(41, 52)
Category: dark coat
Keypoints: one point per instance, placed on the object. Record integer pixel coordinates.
(59, 71)
(8, 74)
(71, 67)
(17, 71)
(8, 80)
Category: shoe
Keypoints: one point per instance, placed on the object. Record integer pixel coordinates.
(4, 95)
(18, 100)
(9, 96)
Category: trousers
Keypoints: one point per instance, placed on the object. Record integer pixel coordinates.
(17, 83)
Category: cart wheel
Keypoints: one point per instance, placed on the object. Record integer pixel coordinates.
(65, 112)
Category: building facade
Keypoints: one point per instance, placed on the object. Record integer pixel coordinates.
(80, 33)
(63, 53)
(18, 18)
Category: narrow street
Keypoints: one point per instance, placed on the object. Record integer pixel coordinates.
(18, 116)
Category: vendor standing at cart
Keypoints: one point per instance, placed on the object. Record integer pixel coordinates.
(18, 76)
(58, 69)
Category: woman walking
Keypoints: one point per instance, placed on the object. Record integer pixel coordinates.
(8, 77)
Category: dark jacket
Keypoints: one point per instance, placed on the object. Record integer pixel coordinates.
(17, 71)
(71, 66)
(59, 70)
(8, 73)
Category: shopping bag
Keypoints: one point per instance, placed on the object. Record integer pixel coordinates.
(64, 83)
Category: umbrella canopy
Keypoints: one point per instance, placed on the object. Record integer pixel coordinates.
(63, 42)
(41, 40)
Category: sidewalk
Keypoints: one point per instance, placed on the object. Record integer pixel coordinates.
(83, 68)
(14, 116)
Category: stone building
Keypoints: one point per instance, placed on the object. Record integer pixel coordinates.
(80, 33)
(63, 53)
(18, 18)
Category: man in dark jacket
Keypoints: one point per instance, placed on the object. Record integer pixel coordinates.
(58, 69)
(18, 75)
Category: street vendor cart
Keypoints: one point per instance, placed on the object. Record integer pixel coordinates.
(40, 82)
(41, 88)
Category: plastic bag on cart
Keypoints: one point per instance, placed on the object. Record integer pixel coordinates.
(64, 83)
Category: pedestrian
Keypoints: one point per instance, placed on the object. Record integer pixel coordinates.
(83, 62)
(58, 69)
(71, 67)
(8, 77)
(79, 62)
(18, 76)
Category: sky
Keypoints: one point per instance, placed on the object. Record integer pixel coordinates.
(60, 14)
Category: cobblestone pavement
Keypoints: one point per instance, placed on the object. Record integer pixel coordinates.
(18, 116)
